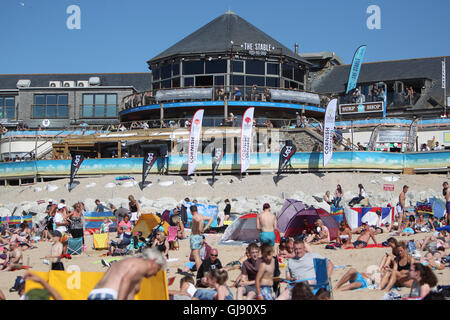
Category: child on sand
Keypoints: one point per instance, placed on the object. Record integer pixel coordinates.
(264, 277)
(217, 279)
(56, 251)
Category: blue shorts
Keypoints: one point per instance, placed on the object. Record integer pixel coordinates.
(267, 237)
(196, 242)
(359, 278)
(267, 292)
(205, 294)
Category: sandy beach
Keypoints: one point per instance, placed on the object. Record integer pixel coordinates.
(246, 195)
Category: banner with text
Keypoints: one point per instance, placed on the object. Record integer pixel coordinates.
(246, 138)
(194, 138)
(330, 116)
(356, 68)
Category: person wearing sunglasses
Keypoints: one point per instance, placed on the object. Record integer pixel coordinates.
(209, 264)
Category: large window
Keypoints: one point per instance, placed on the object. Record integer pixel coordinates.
(287, 71)
(99, 106)
(193, 67)
(216, 66)
(254, 67)
(166, 72)
(52, 106)
(7, 108)
(273, 68)
(237, 66)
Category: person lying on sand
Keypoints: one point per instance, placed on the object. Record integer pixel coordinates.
(364, 237)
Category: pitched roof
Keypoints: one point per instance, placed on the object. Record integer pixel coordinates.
(335, 79)
(216, 37)
(140, 81)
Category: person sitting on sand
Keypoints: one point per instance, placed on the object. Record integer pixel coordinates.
(122, 280)
(187, 289)
(344, 237)
(321, 234)
(408, 228)
(387, 262)
(264, 277)
(362, 195)
(399, 275)
(301, 291)
(217, 281)
(126, 223)
(266, 223)
(433, 260)
(22, 235)
(364, 237)
(338, 194)
(175, 221)
(424, 280)
(124, 240)
(246, 285)
(15, 258)
(160, 242)
(208, 265)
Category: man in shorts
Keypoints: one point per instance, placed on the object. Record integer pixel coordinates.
(266, 223)
(364, 237)
(123, 279)
(196, 239)
(401, 205)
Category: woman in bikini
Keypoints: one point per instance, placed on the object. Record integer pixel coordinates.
(399, 275)
(344, 237)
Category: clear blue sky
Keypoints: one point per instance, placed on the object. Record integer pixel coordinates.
(120, 36)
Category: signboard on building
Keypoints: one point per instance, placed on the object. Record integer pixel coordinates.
(257, 49)
(361, 107)
(392, 136)
(388, 187)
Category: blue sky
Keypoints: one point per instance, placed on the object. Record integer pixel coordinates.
(120, 36)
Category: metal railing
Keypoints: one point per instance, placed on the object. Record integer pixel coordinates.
(219, 93)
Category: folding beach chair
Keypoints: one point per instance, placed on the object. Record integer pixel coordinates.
(321, 279)
(75, 246)
(172, 237)
(100, 241)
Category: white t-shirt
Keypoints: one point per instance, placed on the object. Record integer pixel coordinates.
(191, 289)
(59, 218)
(363, 193)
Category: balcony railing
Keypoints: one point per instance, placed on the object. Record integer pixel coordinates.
(221, 93)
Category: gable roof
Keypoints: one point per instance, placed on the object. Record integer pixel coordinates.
(216, 37)
(140, 81)
(335, 79)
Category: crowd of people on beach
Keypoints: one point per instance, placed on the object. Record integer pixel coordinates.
(410, 264)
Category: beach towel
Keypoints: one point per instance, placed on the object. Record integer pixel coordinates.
(22, 268)
(379, 245)
(100, 241)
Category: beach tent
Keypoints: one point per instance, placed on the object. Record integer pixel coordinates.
(147, 222)
(78, 285)
(243, 230)
(289, 210)
(337, 213)
(203, 209)
(355, 216)
(296, 224)
(94, 220)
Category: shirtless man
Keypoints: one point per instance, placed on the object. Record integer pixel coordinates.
(196, 239)
(264, 277)
(123, 279)
(401, 204)
(364, 237)
(266, 223)
(446, 193)
(15, 257)
(56, 251)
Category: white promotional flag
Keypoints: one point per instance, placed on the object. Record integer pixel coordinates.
(330, 116)
(194, 138)
(246, 138)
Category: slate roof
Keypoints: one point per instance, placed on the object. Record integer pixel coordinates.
(335, 79)
(140, 81)
(215, 37)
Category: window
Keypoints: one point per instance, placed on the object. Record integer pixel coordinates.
(273, 82)
(166, 84)
(203, 81)
(193, 67)
(238, 80)
(259, 81)
(176, 69)
(175, 82)
(166, 72)
(237, 66)
(189, 82)
(99, 105)
(254, 67)
(287, 71)
(53, 106)
(273, 68)
(219, 80)
(216, 66)
(155, 73)
(7, 108)
(299, 75)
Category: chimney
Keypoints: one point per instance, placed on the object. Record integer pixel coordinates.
(296, 48)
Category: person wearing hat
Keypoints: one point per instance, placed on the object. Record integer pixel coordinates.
(266, 223)
(61, 224)
(56, 251)
(49, 206)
